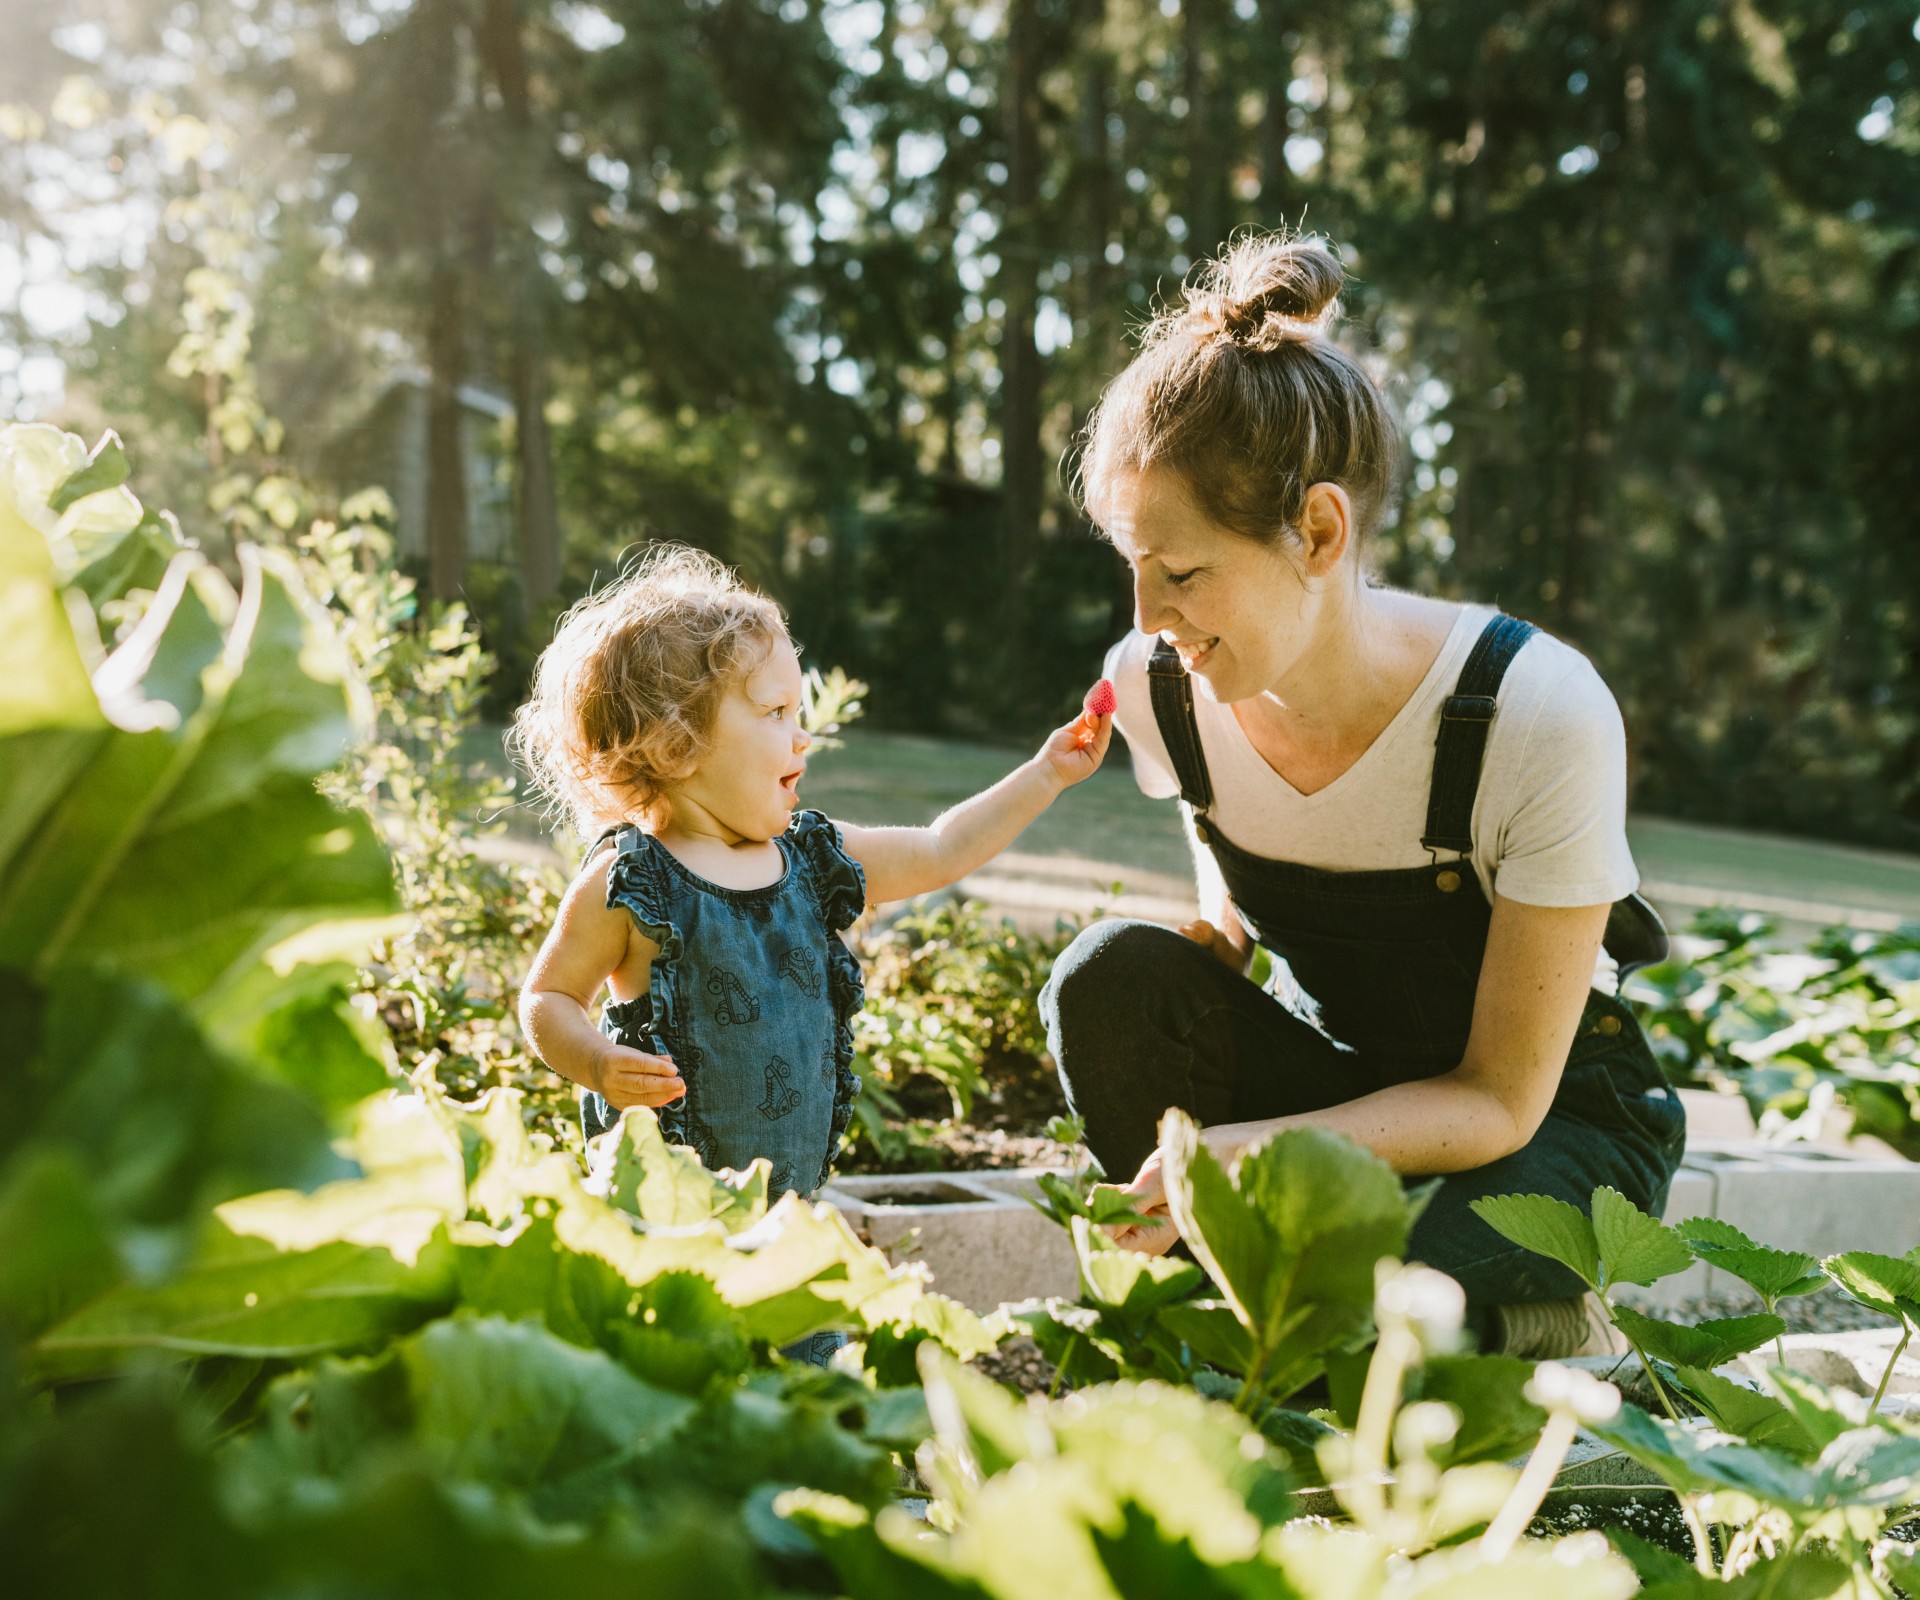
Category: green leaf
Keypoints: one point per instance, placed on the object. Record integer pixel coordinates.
(1531, 1569)
(1734, 1408)
(1706, 1345)
(1710, 1233)
(1144, 1562)
(340, 1297)
(1802, 1576)
(106, 468)
(903, 1563)
(1127, 1281)
(1291, 1238)
(1546, 1226)
(1634, 1247)
(1887, 1284)
(192, 838)
(56, 1250)
(667, 1185)
(1774, 1274)
(1074, 1338)
(1814, 1407)
(1497, 1420)
(1212, 1331)
(189, 1128)
(1650, 1561)
(414, 1183)
(506, 1403)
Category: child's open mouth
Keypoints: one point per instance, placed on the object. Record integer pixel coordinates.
(791, 783)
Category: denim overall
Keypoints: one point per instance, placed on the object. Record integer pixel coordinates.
(752, 995)
(1377, 989)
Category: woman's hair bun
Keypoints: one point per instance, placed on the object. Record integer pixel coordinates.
(1267, 290)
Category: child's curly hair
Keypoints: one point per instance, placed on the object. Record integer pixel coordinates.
(624, 698)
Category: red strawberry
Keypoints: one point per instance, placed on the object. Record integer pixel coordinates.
(1101, 699)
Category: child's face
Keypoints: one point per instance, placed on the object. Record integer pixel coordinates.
(749, 782)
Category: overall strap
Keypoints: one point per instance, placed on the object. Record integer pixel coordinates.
(1172, 692)
(1462, 742)
(625, 837)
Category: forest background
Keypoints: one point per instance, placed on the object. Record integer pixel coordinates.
(828, 289)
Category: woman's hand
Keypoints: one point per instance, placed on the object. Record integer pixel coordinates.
(632, 1078)
(1076, 751)
(1236, 956)
(1156, 1236)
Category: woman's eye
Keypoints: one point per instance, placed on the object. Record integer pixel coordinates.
(1178, 578)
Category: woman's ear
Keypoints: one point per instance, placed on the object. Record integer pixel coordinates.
(1326, 528)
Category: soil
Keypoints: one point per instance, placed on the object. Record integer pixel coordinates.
(1007, 1126)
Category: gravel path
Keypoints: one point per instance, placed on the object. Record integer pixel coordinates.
(1828, 1311)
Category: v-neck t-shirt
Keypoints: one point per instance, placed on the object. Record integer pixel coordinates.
(1549, 820)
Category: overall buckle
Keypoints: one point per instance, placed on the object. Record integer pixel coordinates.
(1468, 708)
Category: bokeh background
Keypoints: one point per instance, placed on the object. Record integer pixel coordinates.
(828, 286)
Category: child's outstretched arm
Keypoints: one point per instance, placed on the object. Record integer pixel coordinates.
(590, 942)
(902, 862)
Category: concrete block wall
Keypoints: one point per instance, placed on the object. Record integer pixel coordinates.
(1793, 1197)
(985, 1245)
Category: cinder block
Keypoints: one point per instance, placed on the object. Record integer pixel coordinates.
(1795, 1197)
(981, 1242)
(1690, 1196)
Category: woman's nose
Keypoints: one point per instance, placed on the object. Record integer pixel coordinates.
(1150, 610)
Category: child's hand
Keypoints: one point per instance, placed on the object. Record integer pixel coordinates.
(1076, 751)
(631, 1078)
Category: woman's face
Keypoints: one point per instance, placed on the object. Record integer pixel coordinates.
(1240, 613)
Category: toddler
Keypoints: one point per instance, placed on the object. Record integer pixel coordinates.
(665, 716)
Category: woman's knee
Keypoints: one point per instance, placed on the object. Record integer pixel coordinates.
(1117, 963)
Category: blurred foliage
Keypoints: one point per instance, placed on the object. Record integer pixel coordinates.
(1794, 1031)
(445, 983)
(431, 1350)
(953, 994)
(824, 286)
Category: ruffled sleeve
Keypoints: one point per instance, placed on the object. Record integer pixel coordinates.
(637, 884)
(655, 1021)
(839, 884)
(840, 895)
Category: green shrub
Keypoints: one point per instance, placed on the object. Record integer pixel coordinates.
(1793, 1030)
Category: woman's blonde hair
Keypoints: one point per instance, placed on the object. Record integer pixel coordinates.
(1241, 390)
(624, 698)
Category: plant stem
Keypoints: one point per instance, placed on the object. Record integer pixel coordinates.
(1060, 1372)
(1892, 1361)
(1535, 1479)
(1702, 1546)
(1249, 1395)
(1373, 1428)
(1653, 1377)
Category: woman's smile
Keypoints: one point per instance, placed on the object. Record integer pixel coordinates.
(1194, 653)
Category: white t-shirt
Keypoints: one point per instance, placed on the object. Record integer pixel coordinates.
(1549, 821)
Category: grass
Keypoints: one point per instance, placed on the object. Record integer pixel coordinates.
(905, 779)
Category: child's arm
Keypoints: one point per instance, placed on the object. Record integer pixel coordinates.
(902, 862)
(590, 942)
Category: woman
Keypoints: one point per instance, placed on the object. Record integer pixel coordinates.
(1417, 806)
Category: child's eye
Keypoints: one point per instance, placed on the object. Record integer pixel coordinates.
(778, 713)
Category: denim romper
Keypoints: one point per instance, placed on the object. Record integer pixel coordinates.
(1391, 960)
(752, 995)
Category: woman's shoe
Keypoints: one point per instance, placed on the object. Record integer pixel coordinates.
(1553, 1330)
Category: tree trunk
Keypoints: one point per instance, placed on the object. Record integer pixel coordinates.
(446, 455)
(1019, 290)
(536, 518)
